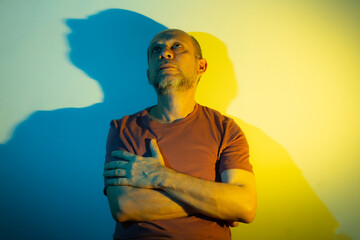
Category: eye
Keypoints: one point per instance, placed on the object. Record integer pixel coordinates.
(156, 49)
(177, 45)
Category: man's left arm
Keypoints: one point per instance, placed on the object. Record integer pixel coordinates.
(233, 199)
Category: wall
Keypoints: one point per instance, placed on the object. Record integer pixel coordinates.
(287, 71)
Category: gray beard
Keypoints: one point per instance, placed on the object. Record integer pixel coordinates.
(178, 83)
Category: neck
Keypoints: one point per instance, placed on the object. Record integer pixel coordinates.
(174, 106)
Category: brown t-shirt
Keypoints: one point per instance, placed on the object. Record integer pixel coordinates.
(203, 144)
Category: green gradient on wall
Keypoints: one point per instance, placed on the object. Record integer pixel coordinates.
(293, 67)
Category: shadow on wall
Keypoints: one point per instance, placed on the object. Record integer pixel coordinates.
(51, 170)
(288, 208)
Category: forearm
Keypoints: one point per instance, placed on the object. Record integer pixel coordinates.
(219, 200)
(141, 204)
(233, 200)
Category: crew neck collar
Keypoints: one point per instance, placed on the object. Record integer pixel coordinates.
(149, 122)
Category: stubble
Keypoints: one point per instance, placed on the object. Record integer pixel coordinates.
(164, 84)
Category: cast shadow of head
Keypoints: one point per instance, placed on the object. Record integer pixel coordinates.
(288, 208)
(51, 170)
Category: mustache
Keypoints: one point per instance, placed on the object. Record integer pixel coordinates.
(166, 62)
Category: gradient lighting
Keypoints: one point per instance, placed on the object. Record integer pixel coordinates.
(297, 71)
(284, 196)
(293, 68)
(298, 67)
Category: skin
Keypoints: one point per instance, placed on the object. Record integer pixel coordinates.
(174, 71)
(172, 58)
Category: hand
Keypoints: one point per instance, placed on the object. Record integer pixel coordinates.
(136, 171)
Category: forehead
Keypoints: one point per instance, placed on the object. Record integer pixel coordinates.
(171, 36)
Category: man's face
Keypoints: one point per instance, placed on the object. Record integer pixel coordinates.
(173, 65)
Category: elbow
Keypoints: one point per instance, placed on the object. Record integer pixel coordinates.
(118, 212)
(119, 216)
(247, 211)
(249, 207)
(250, 210)
(124, 211)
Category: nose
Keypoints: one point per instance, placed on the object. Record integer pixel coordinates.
(166, 54)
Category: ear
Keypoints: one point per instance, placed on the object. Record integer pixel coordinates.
(202, 65)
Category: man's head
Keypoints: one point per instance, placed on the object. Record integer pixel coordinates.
(198, 52)
(175, 61)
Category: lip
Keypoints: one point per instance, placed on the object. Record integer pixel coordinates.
(166, 65)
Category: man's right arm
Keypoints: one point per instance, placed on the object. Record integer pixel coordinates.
(142, 204)
(138, 204)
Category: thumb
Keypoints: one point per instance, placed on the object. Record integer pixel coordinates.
(154, 148)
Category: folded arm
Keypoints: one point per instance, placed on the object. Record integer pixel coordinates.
(142, 204)
(234, 199)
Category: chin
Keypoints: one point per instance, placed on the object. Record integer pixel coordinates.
(165, 90)
(168, 81)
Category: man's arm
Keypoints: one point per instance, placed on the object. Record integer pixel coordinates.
(142, 204)
(234, 199)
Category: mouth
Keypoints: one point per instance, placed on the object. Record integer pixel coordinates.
(166, 66)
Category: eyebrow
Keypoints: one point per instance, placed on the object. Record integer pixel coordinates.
(152, 45)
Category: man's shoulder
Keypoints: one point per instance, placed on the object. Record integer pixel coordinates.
(216, 115)
(130, 118)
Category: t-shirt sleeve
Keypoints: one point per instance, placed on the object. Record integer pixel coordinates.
(234, 151)
(113, 143)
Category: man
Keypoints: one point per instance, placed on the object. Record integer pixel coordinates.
(177, 170)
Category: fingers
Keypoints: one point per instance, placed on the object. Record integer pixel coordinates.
(154, 148)
(115, 169)
(123, 155)
(115, 165)
(117, 181)
(115, 173)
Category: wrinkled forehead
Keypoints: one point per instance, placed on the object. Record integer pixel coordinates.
(171, 35)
